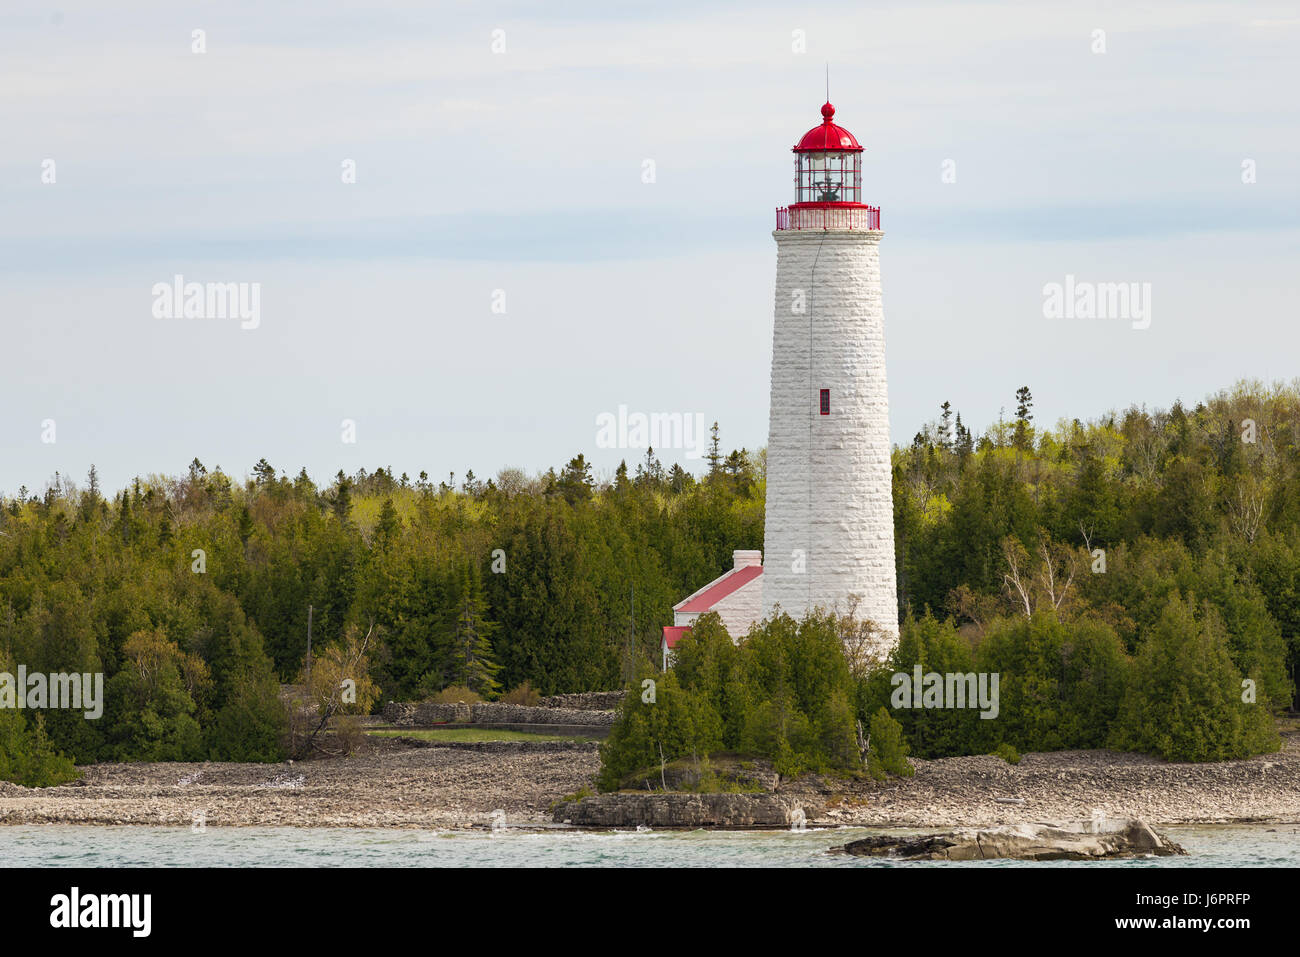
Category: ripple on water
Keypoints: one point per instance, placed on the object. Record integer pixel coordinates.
(143, 846)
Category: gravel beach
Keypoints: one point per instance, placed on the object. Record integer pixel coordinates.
(393, 784)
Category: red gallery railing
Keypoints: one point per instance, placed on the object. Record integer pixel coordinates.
(828, 217)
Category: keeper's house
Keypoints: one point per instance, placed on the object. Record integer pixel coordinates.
(737, 597)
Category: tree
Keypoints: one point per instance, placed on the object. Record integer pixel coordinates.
(264, 473)
(473, 662)
(1185, 699)
(389, 524)
(714, 456)
(575, 483)
(965, 445)
(887, 752)
(339, 683)
(149, 704)
(27, 757)
(342, 506)
(1024, 403)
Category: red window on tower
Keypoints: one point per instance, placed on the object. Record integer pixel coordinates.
(826, 401)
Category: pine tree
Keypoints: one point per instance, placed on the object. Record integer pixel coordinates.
(389, 524)
(343, 498)
(473, 661)
(1024, 402)
(575, 482)
(714, 458)
(124, 517)
(945, 427)
(1185, 701)
(964, 442)
(264, 472)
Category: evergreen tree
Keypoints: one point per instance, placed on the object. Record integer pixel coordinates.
(342, 498)
(389, 525)
(263, 472)
(473, 660)
(714, 456)
(1185, 700)
(575, 482)
(1024, 403)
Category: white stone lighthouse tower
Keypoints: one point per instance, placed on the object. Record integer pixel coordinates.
(830, 519)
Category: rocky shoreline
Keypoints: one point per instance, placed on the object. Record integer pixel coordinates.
(393, 783)
(985, 791)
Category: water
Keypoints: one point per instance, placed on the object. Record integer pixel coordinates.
(140, 846)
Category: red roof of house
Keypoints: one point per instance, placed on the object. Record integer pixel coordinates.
(712, 594)
(673, 634)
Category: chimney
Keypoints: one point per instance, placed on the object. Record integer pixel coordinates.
(744, 558)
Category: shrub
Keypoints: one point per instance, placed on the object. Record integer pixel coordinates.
(888, 752)
(785, 693)
(26, 755)
(251, 726)
(454, 693)
(524, 694)
(1007, 753)
(1184, 701)
(348, 733)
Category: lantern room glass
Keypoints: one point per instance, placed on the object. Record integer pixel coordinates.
(826, 177)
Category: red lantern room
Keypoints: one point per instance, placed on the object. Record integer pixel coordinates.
(828, 181)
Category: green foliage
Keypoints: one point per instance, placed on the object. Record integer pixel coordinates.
(564, 581)
(1007, 753)
(1140, 505)
(1060, 682)
(1069, 684)
(585, 577)
(1184, 702)
(27, 756)
(888, 751)
(573, 798)
(150, 703)
(785, 692)
(472, 660)
(931, 732)
(650, 731)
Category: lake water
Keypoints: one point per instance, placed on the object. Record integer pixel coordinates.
(138, 846)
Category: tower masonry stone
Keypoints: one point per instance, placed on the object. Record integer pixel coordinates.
(829, 511)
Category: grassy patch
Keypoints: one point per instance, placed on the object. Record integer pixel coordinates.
(572, 798)
(475, 736)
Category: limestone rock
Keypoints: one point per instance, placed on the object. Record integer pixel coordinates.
(1077, 841)
(667, 809)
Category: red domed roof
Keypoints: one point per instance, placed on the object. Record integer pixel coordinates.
(828, 136)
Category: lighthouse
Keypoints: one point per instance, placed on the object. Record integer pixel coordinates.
(829, 540)
(830, 512)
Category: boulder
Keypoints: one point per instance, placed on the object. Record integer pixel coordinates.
(1075, 841)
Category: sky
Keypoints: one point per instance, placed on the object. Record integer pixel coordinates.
(564, 209)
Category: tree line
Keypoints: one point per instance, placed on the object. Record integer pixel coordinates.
(191, 593)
